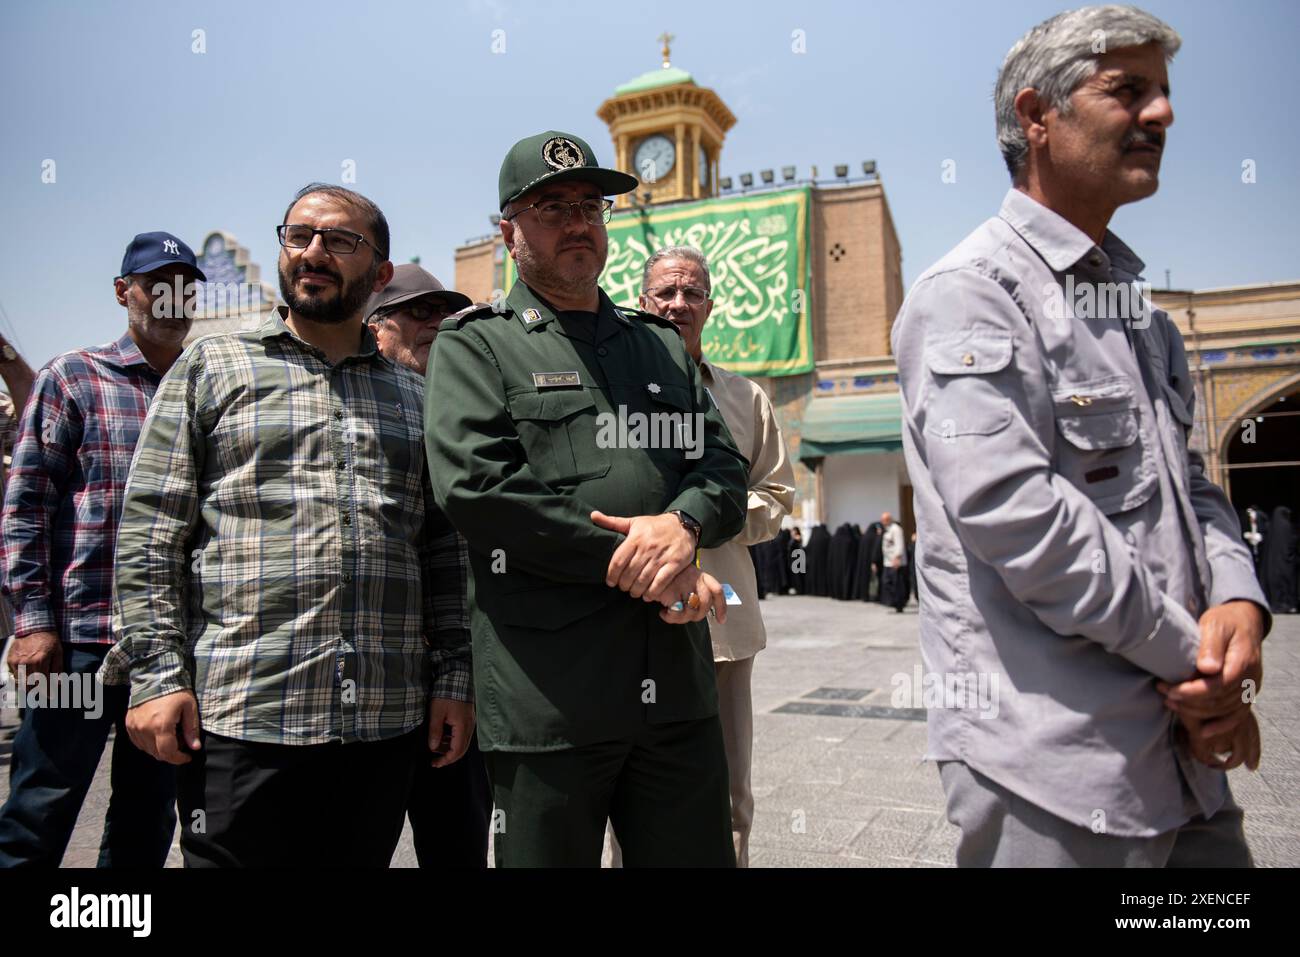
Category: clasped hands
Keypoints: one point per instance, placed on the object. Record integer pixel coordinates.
(1217, 723)
(656, 563)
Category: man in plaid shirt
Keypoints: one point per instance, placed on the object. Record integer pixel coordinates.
(61, 510)
(289, 599)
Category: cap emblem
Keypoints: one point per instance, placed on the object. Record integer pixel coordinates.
(560, 152)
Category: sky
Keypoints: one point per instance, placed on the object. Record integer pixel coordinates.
(145, 133)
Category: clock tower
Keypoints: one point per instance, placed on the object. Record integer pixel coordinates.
(668, 132)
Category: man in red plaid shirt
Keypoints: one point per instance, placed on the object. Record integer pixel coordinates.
(61, 510)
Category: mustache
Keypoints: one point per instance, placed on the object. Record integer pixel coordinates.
(317, 271)
(1144, 138)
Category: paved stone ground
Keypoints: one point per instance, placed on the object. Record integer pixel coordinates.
(852, 791)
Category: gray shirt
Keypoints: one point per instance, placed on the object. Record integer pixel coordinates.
(1067, 538)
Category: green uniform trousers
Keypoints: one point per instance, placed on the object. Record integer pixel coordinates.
(665, 791)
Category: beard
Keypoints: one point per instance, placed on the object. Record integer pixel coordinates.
(536, 271)
(164, 329)
(329, 307)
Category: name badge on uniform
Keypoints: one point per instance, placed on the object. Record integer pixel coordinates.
(531, 316)
(556, 380)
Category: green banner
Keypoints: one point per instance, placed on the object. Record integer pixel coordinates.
(757, 247)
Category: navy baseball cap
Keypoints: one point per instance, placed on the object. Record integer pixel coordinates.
(150, 251)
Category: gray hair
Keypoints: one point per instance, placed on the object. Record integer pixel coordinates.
(689, 253)
(1059, 54)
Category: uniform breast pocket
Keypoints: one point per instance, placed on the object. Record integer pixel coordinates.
(1104, 453)
(559, 430)
(674, 432)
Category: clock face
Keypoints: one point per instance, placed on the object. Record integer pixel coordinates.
(704, 167)
(654, 158)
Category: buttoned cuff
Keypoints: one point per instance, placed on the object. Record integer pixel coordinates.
(150, 677)
(453, 680)
(32, 615)
(1169, 652)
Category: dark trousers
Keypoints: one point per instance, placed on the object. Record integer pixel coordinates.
(894, 587)
(55, 755)
(450, 810)
(665, 791)
(252, 804)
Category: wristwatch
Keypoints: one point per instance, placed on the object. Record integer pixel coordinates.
(688, 523)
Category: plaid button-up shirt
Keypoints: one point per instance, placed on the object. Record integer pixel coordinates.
(63, 494)
(280, 552)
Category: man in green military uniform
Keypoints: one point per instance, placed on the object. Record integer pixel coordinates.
(573, 445)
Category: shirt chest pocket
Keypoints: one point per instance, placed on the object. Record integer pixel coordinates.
(962, 397)
(1104, 453)
(400, 444)
(558, 431)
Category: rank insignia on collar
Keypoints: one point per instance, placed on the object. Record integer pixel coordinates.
(556, 380)
(654, 388)
(531, 316)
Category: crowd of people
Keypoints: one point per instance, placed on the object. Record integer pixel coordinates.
(373, 559)
(851, 565)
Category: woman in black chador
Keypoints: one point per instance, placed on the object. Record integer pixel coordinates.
(797, 561)
(772, 559)
(844, 550)
(866, 551)
(877, 534)
(1279, 566)
(818, 552)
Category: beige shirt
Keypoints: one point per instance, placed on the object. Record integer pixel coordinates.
(748, 413)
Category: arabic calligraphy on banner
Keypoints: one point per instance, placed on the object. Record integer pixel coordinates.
(757, 247)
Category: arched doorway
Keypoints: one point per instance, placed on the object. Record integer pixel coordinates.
(1262, 453)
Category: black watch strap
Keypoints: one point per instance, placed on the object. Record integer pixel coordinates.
(688, 523)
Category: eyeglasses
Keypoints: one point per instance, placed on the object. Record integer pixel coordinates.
(553, 213)
(693, 295)
(421, 311)
(341, 241)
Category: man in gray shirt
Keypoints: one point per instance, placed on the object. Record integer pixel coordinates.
(1074, 559)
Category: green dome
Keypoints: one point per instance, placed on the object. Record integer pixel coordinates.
(655, 78)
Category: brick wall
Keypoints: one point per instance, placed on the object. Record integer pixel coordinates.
(474, 271)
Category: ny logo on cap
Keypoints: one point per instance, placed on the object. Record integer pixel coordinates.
(559, 152)
(170, 247)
